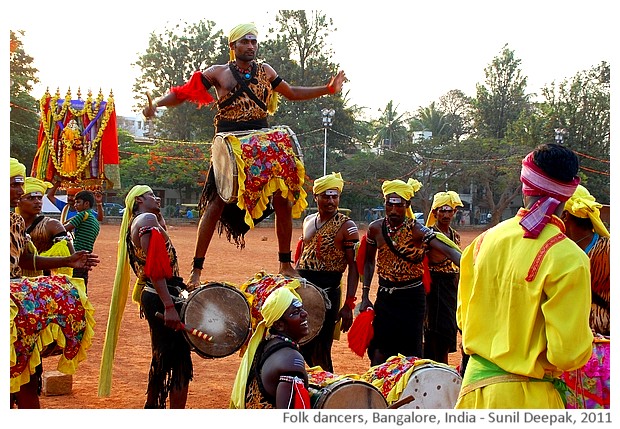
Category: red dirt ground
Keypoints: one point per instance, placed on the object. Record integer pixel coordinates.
(213, 378)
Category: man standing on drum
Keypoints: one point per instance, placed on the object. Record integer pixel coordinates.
(440, 324)
(523, 301)
(399, 244)
(246, 92)
(327, 250)
(145, 246)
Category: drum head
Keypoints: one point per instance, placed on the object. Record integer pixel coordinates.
(314, 304)
(224, 169)
(432, 387)
(349, 393)
(220, 311)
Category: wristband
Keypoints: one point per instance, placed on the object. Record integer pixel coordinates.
(365, 287)
(198, 263)
(285, 256)
(331, 89)
(350, 302)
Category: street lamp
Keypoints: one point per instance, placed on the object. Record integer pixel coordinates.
(328, 119)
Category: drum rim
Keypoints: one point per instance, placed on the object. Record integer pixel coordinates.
(343, 382)
(189, 337)
(303, 282)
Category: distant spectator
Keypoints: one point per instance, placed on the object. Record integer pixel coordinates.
(190, 214)
(67, 209)
(86, 228)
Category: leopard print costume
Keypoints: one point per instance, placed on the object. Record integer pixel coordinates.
(18, 242)
(599, 268)
(446, 266)
(321, 253)
(392, 267)
(241, 108)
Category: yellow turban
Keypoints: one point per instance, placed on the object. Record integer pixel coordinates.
(119, 294)
(17, 168)
(583, 205)
(405, 190)
(272, 310)
(32, 184)
(329, 181)
(449, 198)
(238, 32)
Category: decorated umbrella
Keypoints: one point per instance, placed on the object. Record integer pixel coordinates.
(78, 142)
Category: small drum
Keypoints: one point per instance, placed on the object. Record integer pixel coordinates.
(432, 385)
(334, 392)
(220, 311)
(259, 150)
(313, 298)
(588, 387)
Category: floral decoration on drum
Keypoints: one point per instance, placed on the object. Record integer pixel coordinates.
(266, 162)
(395, 371)
(258, 288)
(43, 310)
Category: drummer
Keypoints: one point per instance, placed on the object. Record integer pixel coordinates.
(247, 92)
(145, 245)
(272, 373)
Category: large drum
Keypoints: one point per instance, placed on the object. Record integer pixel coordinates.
(252, 159)
(588, 387)
(432, 385)
(328, 391)
(220, 311)
(261, 285)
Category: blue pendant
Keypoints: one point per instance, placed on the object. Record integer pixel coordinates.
(247, 75)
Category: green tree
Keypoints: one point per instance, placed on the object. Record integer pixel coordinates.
(578, 112)
(499, 103)
(170, 60)
(501, 99)
(24, 108)
(390, 128)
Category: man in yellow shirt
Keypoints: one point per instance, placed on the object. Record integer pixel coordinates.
(523, 300)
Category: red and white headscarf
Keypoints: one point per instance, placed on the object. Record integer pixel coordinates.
(553, 192)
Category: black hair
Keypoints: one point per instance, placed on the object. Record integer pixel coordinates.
(557, 161)
(86, 196)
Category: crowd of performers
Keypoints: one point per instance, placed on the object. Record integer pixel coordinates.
(530, 296)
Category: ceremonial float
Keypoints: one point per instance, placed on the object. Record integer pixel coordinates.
(78, 142)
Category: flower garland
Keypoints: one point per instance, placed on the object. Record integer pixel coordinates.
(89, 112)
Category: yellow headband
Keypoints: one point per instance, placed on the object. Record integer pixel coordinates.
(329, 181)
(238, 32)
(405, 190)
(17, 168)
(36, 185)
(583, 205)
(449, 198)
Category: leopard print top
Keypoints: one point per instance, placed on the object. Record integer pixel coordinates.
(599, 269)
(243, 108)
(18, 242)
(446, 266)
(392, 267)
(321, 252)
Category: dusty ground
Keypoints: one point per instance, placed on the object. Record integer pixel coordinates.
(213, 378)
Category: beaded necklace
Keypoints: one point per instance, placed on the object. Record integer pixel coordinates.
(283, 338)
(393, 232)
(246, 73)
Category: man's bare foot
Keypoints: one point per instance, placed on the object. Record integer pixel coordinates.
(286, 269)
(194, 279)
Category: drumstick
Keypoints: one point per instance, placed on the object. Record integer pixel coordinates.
(189, 330)
(149, 98)
(401, 402)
